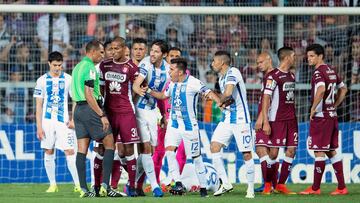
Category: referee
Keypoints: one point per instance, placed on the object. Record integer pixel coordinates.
(89, 118)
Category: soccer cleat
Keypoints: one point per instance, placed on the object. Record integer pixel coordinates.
(157, 192)
(310, 191)
(260, 189)
(147, 188)
(113, 193)
(86, 194)
(103, 190)
(52, 188)
(96, 190)
(177, 189)
(140, 192)
(281, 188)
(203, 192)
(224, 188)
(130, 191)
(164, 188)
(77, 188)
(340, 192)
(267, 189)
(250, 195)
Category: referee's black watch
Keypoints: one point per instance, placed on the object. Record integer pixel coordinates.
(102, 115)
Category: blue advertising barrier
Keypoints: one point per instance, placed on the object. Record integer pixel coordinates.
(21, 159)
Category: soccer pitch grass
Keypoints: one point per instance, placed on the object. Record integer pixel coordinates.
(15, 193)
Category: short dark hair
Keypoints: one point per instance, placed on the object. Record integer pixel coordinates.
(225, 56)
(317, 49)
(175, 49)
(55, 56)
(284, 51)
(93, 44)
(119, 39)
(139, 41)
(107, 42)
(181, 63)
(164, 47)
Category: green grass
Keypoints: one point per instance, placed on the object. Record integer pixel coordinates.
(15, 193)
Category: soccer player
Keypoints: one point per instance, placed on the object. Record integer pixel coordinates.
(52, 119)
(279, 119)
(154, 70)
(138, 50)
(117, 75)
(235, 122)
(90, 119)
(264, 63)
(324, 130)
(184, 91)
(164, 106)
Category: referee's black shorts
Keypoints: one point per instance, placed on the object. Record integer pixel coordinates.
(88, 124)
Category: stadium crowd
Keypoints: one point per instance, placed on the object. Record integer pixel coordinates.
(24, 45)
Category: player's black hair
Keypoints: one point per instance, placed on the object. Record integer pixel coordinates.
(139, 41)
(55, 56)
(164, 47)
(317, 49)
(284, 51)
(175, 49)
(93, 44)
(106, 43)
(119, 39)
(225, 56)
(181, 63)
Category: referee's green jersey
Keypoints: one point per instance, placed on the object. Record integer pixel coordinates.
(84, 72)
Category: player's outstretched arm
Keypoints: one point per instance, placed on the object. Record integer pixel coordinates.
(213, 96)
(320, 92)
(340, 96)
(265, 108)
(137, 86)
(157, 95)
(225, 98)
(39, 111)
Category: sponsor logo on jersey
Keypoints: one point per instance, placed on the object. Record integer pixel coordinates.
(289, 86)
(332, 77)
(113, 76)
(114, 87)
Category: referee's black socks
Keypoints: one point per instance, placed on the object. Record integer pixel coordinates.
(107, 165)
(81, 169)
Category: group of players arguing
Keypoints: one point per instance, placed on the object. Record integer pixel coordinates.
(117, 100)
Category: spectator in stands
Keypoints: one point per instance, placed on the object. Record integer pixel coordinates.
(202, 63)
(100, 34)
(325, 3)
(250, 71)
(15, 98)
(6, 40)
(211, 41)
(17, 26)
(235, 27)
(296, 37)
(266, 46)
(237, 49)
(24, 63)
(355, 53)
(61, 33)
(171, 37)
(183, 23)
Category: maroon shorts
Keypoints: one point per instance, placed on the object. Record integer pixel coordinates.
(324, 134)
(124, 128)
(284, 134)
(261, 139)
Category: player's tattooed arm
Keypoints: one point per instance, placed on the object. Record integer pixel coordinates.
(226, 99)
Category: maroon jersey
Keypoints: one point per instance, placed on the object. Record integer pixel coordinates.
(262, 90)
(326, 76)
(280, 86)
(117, 79)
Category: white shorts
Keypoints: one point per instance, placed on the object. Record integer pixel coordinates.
(147, 125)
(174, 136)
(242, 133)
(57, 135)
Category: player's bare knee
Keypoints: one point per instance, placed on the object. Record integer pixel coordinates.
(273, 154)
(129, 149)
(170, 148)
(146, 148)
(215, 147)
(290, 152)
(120, 149)
(261, 151)
(69, 152)
(49, 151)
(319, 154)
(247, 156)
(330, 154)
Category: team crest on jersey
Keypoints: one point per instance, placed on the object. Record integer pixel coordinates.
(114, 87)
(62, 85)
(114, 76)
(125, 69)
(183, 88)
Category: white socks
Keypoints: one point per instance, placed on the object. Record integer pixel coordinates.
(250, 174)
(139, 167)
(219, 167)
(71, 164)
(174, 170)
(200, 170)
(148, 165)
(49, 162)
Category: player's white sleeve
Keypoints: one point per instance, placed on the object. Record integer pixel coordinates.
(39, 90)
(233, 77)
(144, 67)
(199, 86)
(168, 90)
(69, 82)
(270, 85)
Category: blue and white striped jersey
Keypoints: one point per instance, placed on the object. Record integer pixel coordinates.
(55, 93)
(156, 78)
(184, 100)
(238, 112)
